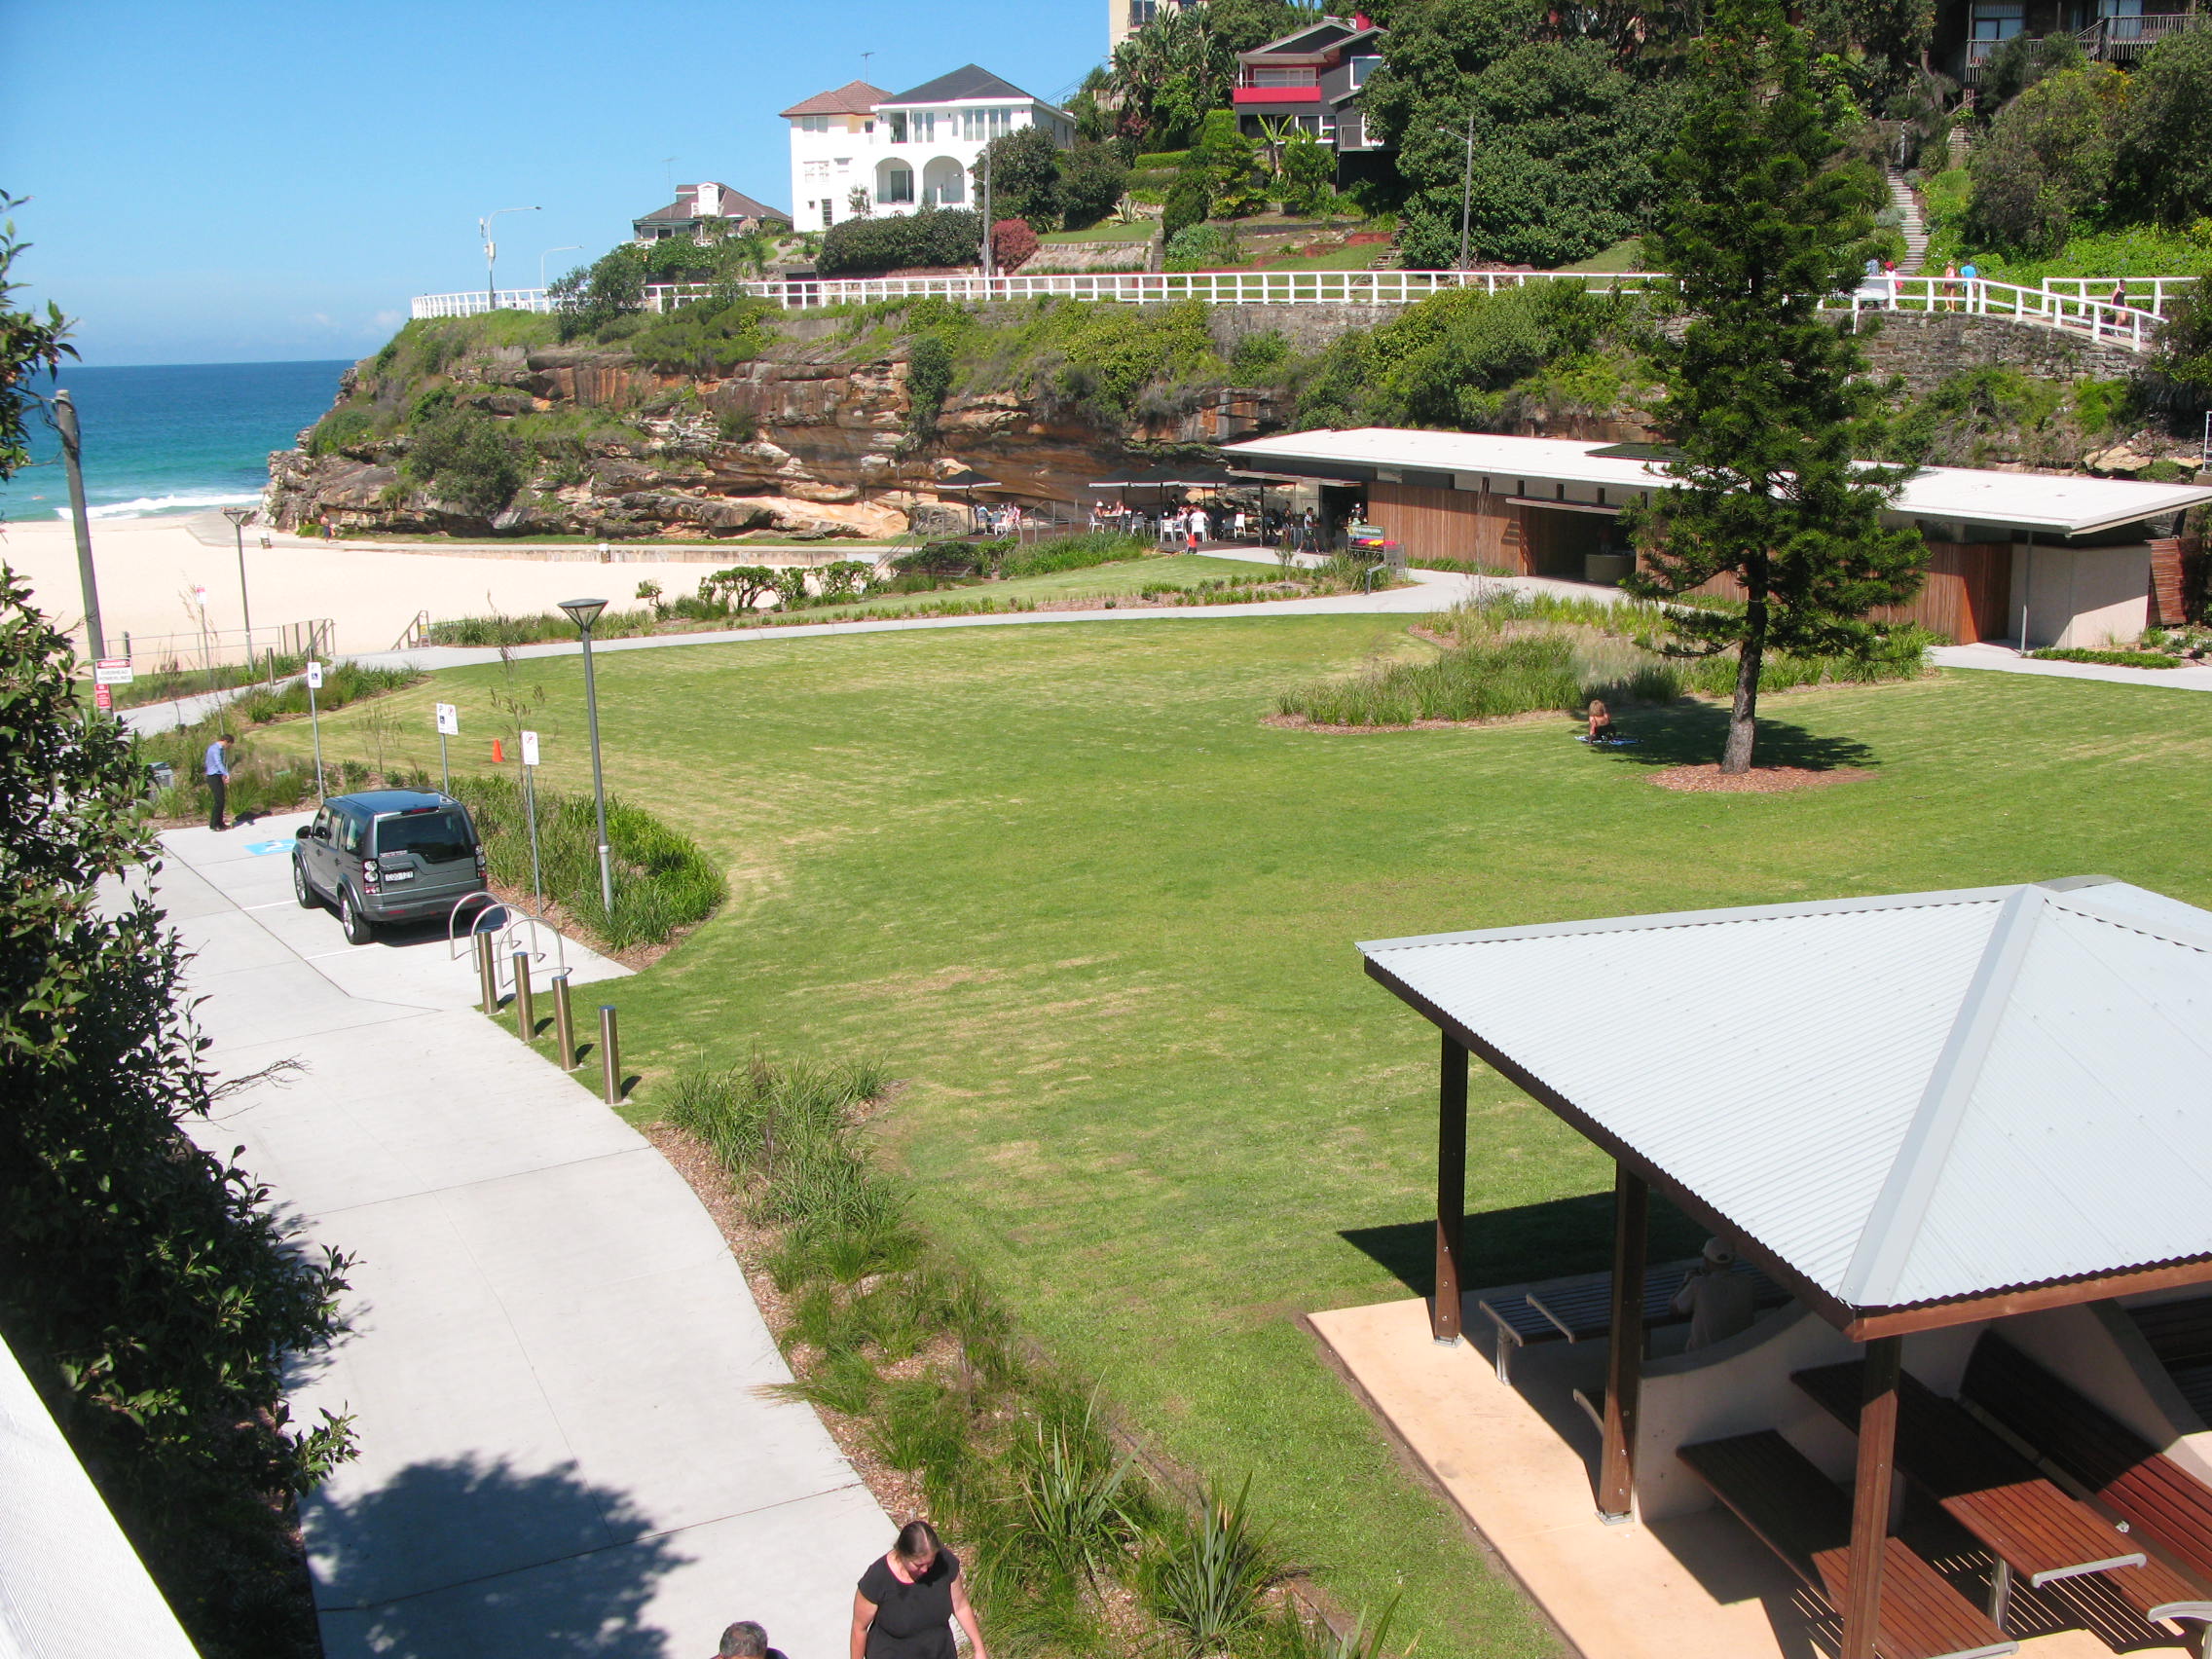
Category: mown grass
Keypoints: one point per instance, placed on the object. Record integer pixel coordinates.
(1101, 917)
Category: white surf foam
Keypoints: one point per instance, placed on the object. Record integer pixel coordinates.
(147, 506)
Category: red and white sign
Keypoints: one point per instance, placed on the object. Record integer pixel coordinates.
(112, 671)
(103, 698)
(530, 748)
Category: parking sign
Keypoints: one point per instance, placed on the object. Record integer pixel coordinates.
(530, 748)
(449, 720)
(315, 674)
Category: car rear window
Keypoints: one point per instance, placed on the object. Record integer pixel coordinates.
(435, 837)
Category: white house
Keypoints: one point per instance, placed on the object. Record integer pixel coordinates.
(904, 151)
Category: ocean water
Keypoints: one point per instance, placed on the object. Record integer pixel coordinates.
(181, 438)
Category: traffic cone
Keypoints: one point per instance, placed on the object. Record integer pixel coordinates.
(498, 754)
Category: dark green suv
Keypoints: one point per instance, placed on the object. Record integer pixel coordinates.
(387, 856)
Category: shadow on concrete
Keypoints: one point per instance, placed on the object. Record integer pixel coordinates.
(1693, 734)
(1528, 1241)
(467, 1556)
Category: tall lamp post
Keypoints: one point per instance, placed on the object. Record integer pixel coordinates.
(239, 516)
(583, 613)
(565, 247)
(1466, 184)
(492, 251)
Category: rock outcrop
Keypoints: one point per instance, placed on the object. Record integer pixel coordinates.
(807, 441)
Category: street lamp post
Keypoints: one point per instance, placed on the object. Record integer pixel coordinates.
(1466, 184)
(239, 516)
(583, 613)
(565, 247)
(492, 251)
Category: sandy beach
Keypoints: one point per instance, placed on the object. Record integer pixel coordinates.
(148, 566)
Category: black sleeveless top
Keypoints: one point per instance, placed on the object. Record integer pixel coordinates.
(912, 1621)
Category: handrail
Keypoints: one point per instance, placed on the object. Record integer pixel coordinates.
(2077, 304)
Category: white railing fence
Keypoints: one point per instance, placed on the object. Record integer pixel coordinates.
(2078, 305)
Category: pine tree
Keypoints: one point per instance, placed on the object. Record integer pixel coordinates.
(1761, 408)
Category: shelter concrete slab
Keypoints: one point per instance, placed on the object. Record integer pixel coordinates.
(1517, 1461)
(553, 1364)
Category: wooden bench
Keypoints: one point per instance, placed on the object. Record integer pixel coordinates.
(2033, 1528)
(2180, 1333)
(2118, 1468)
(1579, 1309)
(1776, 1491)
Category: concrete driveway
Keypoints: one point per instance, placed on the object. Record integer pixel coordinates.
(553, 1361)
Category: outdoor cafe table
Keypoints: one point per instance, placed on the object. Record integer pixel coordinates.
(2033, 1528)
(1582, 1306)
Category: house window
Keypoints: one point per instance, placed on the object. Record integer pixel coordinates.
(1997, 19)
(1352, 130)
(1362, 67)
(1142, 12)
(826, 215)
(814, 170)
(844, 164)
(898, 185)
(814, 124)
(984, 125)
(898, 121)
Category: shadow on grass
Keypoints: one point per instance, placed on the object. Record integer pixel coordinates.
(1529, 1242)
(1693, 734)
(467, 1554)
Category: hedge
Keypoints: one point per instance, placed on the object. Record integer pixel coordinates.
(935, 235)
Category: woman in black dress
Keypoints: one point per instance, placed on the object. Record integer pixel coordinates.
(907, 1601)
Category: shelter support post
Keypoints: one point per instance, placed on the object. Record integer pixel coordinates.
(1870, 1495)
(1624, 1360)
(1451, 1188)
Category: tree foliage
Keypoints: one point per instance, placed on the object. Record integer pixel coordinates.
(590, 297)
(466, 461)
(2046, 167)
(1167, 75)
(145, 1284)
(2185, 342)
(2020, 62)
(1761, 408)
(930, 237)
(29, 344)
(1024, 170)
(2163, 166)
(1564, 133)
(1092, 177)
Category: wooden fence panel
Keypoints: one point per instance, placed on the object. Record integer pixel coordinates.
(1464, 526)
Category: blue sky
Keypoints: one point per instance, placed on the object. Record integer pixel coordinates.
(224, 181)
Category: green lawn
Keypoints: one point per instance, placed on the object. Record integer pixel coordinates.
(1101, 918)
(1138, 230)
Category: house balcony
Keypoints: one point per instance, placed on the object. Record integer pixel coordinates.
(1278, 84)
(1244, 96)
(2120, 39)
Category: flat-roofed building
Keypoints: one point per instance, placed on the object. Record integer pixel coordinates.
(2021, 557)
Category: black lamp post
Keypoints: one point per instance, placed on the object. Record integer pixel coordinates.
(583, 613)
(239, 516)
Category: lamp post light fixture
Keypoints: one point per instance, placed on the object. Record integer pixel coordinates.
(565, 247)
(1466, 184)
(492, 251)
(239, 516)
(583, 613)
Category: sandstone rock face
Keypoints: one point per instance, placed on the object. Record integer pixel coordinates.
(806, 442)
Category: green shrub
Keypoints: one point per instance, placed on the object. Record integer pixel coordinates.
(663, 883)
(1189, 202)
(1200, 248)
(706, 337)
(2109, 659)
(1206, 1576)
(929, 379)
(1074, 553)
(350, 423)
(467, 461)
(1092, 181)
(1260, 357)
(930, 237)
(2046, 165)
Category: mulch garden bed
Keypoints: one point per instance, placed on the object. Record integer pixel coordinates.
(1708, 779)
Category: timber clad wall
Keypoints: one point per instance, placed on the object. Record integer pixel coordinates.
(1968, 594)
(1456, 525)
(2177, 580)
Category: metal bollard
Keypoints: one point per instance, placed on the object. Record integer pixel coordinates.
(526, 1004)
(564, 1021)
(487, 973)
(610, 1057)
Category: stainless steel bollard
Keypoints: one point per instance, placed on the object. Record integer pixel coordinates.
(487, 973)
(564, 1021)
(526, 1004)
(610, 1057)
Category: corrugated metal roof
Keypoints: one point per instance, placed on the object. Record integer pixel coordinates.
(1908, 1098)
(70, 1583)
(2024, 501)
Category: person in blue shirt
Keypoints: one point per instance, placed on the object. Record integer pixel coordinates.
(218, 766)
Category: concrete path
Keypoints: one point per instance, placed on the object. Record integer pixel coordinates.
(2002, 659)
(553, 1357)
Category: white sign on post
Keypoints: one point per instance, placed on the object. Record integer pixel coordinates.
(112, 671)
(530, 748)
(315, 674)
(449, 720)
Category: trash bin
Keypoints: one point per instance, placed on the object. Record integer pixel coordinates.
(1611, 568)
(160, 776)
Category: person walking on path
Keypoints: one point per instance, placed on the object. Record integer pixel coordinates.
(908, 1600)
(217, 765)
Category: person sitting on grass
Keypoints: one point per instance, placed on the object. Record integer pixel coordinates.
(1600, 724)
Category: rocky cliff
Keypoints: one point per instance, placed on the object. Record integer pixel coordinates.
(809, 439)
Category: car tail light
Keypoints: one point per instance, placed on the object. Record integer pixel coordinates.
(369, 871)
(482, 866)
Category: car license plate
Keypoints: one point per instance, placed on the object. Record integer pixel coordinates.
(392, 875)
